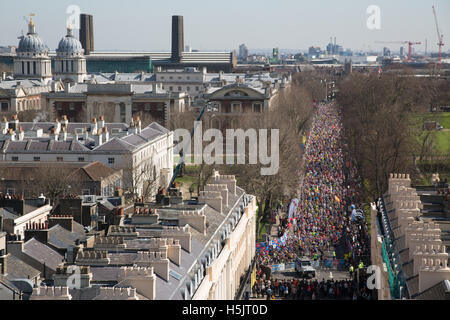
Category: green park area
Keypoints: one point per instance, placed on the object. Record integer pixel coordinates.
(440, 138)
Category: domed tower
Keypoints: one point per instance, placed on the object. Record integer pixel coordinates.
(32, 60)
(70, 63)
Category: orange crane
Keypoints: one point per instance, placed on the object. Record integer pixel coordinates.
(410, 44)
(441, 42)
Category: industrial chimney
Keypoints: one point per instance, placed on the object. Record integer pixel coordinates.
(87, 33)
(177, 38)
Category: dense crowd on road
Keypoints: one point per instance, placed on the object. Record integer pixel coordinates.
(301, 289)
(322, 222)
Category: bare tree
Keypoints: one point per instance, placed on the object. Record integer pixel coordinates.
(378, 130)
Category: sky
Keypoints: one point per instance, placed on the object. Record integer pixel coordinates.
(145, 25)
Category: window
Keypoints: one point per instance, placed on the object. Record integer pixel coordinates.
(179, 89)
(188, 88)
(188, 77)
(160, 106)
(197, 88)
(135, 107)
(4, 106)
(111, 160)
(162, 77)
(85, 192)
(236, 107)
(36, 158)
(34, 67)
(71, 62)
(59, 106)
(80, 159)
(59, 159)
(15, 158)
(147, 107)
(170, 88)
(23, 67)
(28, 67)
(257, 107)
(72, 106)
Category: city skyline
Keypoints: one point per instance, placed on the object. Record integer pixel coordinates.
(209, 28)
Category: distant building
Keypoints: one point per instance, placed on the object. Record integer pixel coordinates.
(243, 52)
(386, 52)
(70, 63)
(144, 154)
(314, 52)
(231, 101)
(21, 95)
(119, 98)
(32, 60)
(85, 179)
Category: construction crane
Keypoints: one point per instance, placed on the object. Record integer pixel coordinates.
(410, 44)
(441, 43)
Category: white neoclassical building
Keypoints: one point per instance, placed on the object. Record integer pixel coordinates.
(32, 60)
(70, 63)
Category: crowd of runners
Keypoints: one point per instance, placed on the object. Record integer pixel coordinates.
(323, 221)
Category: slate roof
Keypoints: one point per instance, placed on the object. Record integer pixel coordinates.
(17, 269)
(95, 171)
(413, 286)
(42, 253)
(105, 274)
(436, 292)
(9, 287)
(6, 214)
(63, 238)
(39, 145)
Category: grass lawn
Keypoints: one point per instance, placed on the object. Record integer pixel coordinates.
(441, 138)
(442, 117)
(442, 141)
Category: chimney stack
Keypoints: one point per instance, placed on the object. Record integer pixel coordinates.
(177, 38)
(21, 133)
(3, 261)
(65, 121)
(5, 125)
(37, 230)
(57, 126)
(98, 138)
(105, 134)
(87, 33)
(94, 126)
(101, 122)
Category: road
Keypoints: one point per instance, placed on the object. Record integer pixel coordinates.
(320, 274)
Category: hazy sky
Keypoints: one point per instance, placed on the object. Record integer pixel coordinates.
(223, 25)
